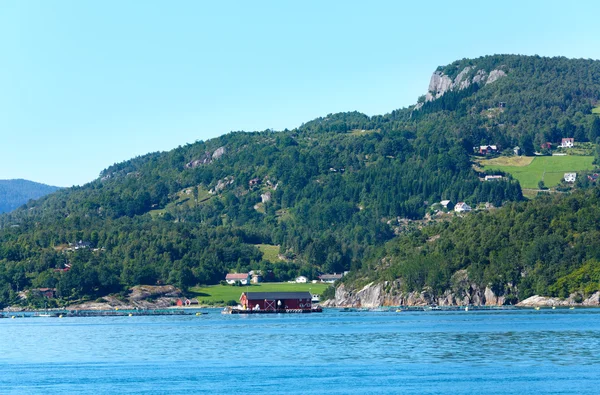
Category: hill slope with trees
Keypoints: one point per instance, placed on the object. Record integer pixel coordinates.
(14, 193)
(326, 192)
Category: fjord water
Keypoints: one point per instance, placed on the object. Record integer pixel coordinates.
(501, 352)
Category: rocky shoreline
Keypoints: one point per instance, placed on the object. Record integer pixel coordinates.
(141, 297)
(375, 295)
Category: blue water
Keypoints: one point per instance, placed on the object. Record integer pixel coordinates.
(497, 352)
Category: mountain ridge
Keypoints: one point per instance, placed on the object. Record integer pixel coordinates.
(16, 192)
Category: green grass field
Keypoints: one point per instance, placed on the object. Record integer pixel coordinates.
(596, 110)
(270, 252)
(550, 169)
(220, 294)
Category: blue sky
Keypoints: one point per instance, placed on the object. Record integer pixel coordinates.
(85, 84)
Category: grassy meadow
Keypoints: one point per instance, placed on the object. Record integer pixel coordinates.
(531, 170)
(270, 252)
(221, 294)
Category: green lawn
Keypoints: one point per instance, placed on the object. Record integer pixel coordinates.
(220, 294)
(596, 110)
(550, 169)
(270, 252)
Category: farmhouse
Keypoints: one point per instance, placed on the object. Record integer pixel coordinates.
(232, 278)
(570, 177)
(517, 151)
(487, 149)
(301, 279)
(567, 142)
(330, 278)
(547, 145)
(593, 177)
(462, 207)
(276, 301)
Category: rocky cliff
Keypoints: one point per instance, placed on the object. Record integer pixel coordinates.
(440, 83)
(387, 294)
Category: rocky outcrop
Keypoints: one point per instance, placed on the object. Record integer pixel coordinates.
(390, 294)
(495, 75)
(218, 153)
(573, 300)
(441, 83)
(140, 297)
(207, 158)
(221, 185)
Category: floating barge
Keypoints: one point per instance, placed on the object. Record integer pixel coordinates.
(237, 310)
(274, 303)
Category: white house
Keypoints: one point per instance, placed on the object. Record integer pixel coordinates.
(232, 278)
(492, 178)
(462, 207)
(445, 203)
(330, 278)
(567, 142)
(570, 177)
(301, 279)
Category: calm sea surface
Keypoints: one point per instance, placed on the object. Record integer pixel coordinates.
(501, 352)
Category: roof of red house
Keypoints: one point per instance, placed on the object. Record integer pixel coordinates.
(236, 276)
(568, 139)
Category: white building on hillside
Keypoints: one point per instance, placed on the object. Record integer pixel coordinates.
(462, 207)
(570, 177)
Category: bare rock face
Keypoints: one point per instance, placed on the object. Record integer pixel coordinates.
(461, 293)
(440, 83)
(221, 185)
(495, 75)
(140, 297)
(265, 197)
(141, 292)
(205, 159)
(218, 153)
(593, 300)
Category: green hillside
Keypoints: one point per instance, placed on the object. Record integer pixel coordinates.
(550, 169)
(327, 192)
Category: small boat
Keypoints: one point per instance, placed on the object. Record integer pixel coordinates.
(398, 310)
(537, 308)
(467, 308)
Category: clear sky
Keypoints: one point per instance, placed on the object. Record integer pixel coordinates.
(85, 84)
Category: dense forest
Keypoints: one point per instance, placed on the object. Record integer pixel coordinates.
(14, 193)
(325, 192)
(548, 246)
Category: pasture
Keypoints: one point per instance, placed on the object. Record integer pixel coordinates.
(550, 169)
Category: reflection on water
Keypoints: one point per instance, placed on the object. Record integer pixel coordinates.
(364, 352)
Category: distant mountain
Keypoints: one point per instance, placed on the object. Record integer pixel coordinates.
(14, 193)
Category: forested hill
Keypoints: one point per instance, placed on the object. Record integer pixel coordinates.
(14, 193)
(327, 193)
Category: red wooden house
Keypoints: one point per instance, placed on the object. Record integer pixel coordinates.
(276, 301)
